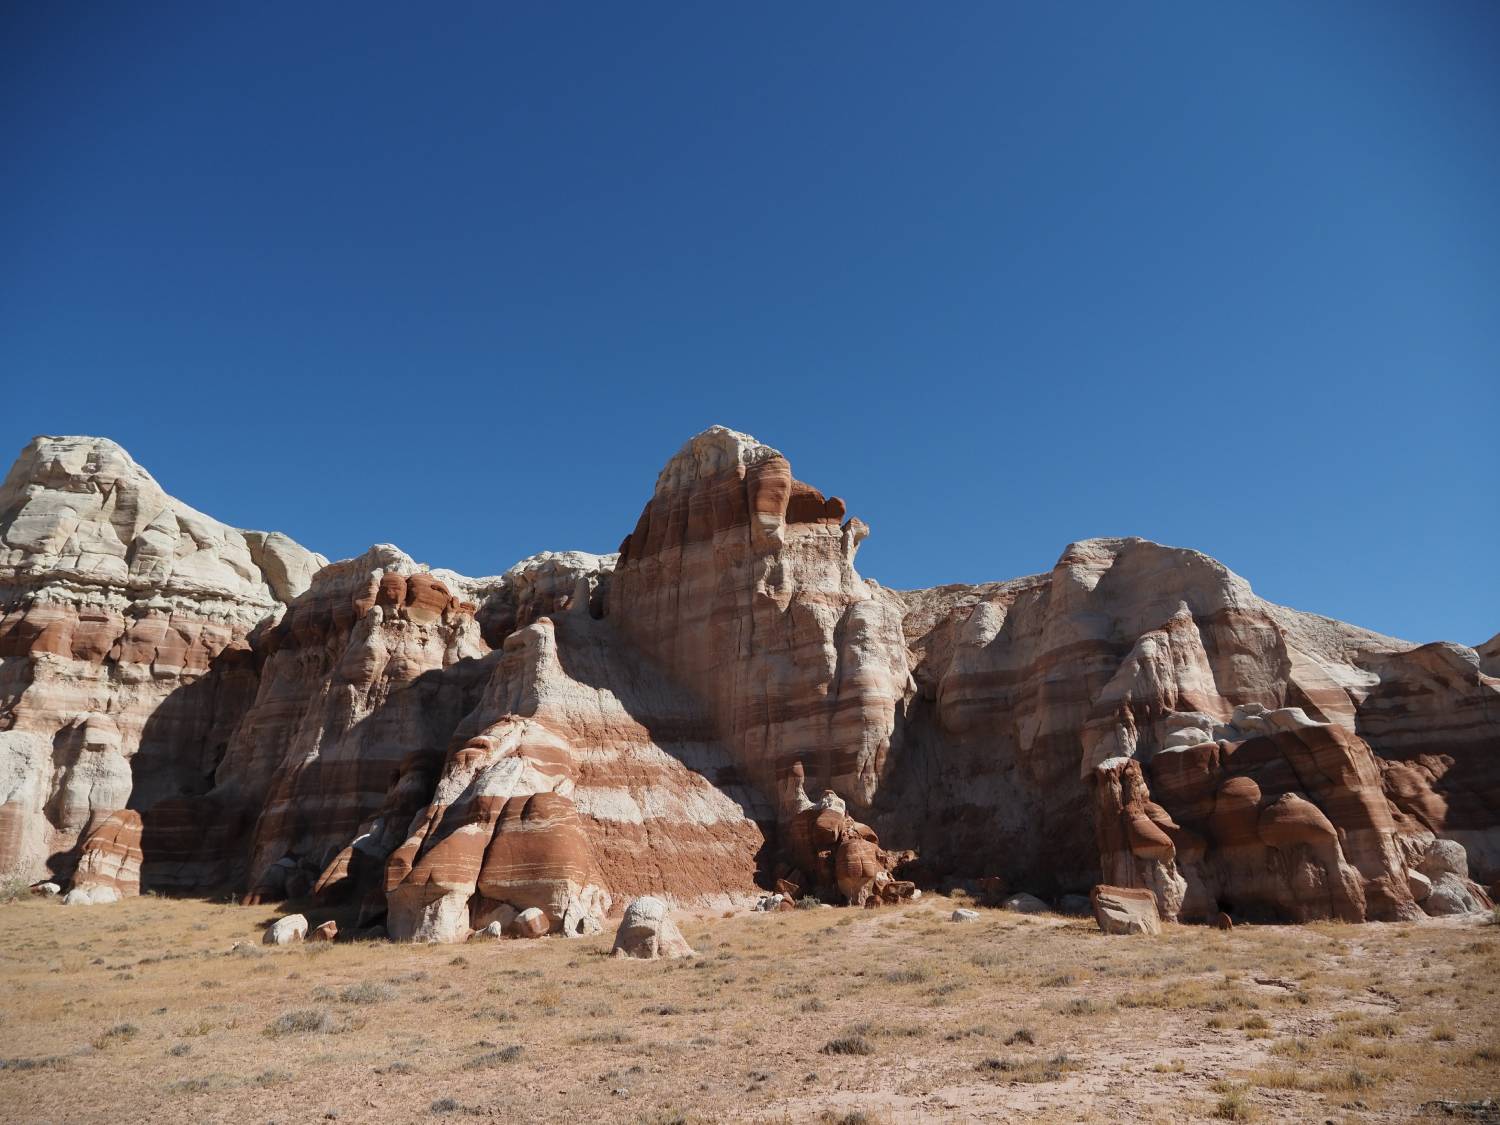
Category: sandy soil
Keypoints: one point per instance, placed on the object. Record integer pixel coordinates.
(141, 1012)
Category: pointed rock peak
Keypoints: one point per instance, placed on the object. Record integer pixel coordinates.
(709, 453)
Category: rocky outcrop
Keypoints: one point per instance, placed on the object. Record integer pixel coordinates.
(186, 706)
(1231, 751)
(110, 858)
(362, 685)
(125, 624)
(739, 581)
(581, 776)
(1125, 910)
(647, 932)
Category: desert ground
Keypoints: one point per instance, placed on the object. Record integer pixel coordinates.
(159, 1009)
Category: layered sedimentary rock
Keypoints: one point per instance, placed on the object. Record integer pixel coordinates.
(582, 777)
(363, 682)
(1139, 712)
(125, 620)
(739, 581)
(186, 706)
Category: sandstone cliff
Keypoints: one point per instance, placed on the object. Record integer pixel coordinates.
(125, 661)
(189, 706)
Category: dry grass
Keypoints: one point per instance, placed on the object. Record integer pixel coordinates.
(146, 1011)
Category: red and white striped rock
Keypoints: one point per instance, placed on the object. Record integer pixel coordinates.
(739, 581)
(125, 619)
(110, 857)
(562, 796)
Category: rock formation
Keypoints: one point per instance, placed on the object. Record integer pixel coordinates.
(647, 932)
(1126, 910)
(187, 707)
(125, 625)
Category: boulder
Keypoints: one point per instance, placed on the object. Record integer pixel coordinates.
(1125, 910)
(493, 930)
(1446, 866)
(648, 932)
(531, 923)
(287, 931)
(91, 896)
(962, 915)
(1419, 885)
(1025, 904)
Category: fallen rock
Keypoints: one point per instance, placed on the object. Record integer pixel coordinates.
(1025, 904)
(1420, 885)
(1125, 910)
(91, 896)
(328, 931)
(962, 915)
(493, 930)
(287, 931)
(1446, 865)
(648, 932)
(531, 923)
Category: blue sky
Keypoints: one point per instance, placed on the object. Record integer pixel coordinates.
(1002, 276)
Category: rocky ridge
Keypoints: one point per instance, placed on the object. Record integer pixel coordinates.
(188, 707)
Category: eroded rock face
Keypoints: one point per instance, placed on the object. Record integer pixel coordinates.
(125, 619)
(362, 685)
(187, 706)
(581, 775)
(739, 581)
(1233, 753)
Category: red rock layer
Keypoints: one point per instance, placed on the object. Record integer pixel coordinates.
(125, 619)
(739, 581)
(362, 682)
(1129, 651)
(111, 856)
(581, 780)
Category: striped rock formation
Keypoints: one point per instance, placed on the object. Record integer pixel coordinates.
(1139, 713)
(187, 706)
(739, 581)
(362, 684)
(125, 624)
(583, 777)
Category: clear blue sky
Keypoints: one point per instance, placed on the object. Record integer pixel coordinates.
(462, 277)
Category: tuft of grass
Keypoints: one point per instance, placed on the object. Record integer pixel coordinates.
(303, 1021)
(610, 1035)
(847, 1045)
(367, 992)
(120, 1033)
(1233, 1106)
(1027, 1070)
(495, 1058)
(915, 974)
